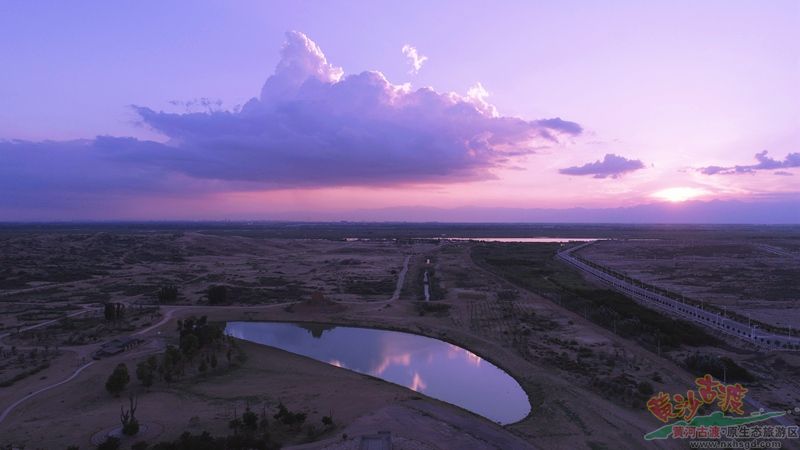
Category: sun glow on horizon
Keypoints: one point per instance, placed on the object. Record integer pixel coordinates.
(679, 194)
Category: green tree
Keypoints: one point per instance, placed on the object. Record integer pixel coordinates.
(249, 420)
(111, 443)
(145, 373)
(645, 388)
(189, 345)
(108, 311)
(168, 294)
(217, 294)
(118, 379)
(171, 365)
(130, 424)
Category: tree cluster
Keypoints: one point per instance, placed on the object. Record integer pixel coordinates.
(205, 441)
(197, 335)
(113, 311)
(250, 431)
(146, 371)
(250, 422)
(286, 417)
(198, 338)
(218, 295)
(168, 294)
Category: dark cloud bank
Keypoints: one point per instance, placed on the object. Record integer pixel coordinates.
(611, 165)
(311, 126)
(764, 163)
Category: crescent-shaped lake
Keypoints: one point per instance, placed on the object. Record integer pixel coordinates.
(435, 368)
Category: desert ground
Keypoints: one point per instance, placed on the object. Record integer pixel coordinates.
(755, 277)
(587, 377)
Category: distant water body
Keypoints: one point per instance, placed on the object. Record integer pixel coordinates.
(493, 239)
(530, 239)
(435, 368)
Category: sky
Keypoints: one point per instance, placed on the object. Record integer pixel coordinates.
(309, 110)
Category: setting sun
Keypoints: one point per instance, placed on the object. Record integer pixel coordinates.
(678, 194)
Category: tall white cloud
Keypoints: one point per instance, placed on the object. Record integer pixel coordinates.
(311, 126)
(414, 58)
(301, 59)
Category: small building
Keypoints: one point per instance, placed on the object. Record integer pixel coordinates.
(116, 346)
(380, 441)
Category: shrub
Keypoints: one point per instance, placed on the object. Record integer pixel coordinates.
(130, 425)
(217, 294)
(645, 388)
(131, 428)
(287, 417)
(118, 380)
(145, 373)
(249, 420)
(721, 368)
(168, 294)
(111, 443)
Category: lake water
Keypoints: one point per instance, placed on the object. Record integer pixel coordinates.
(528, 239)
(430, 366)
(491, 239)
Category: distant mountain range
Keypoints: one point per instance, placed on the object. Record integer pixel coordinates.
(784, 211)
(690, 212)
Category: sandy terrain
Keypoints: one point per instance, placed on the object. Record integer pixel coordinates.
(564, 362)
(746, 276)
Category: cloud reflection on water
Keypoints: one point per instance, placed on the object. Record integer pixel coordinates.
(436, 368)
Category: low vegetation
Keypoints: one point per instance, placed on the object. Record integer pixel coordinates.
(167, 294)
(118, 380)
(720, 367)
(368, 287)
(130, 424)
(534, 267)
(248, 431)
(16, 365)
(439, 309)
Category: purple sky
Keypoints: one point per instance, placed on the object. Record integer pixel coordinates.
(215, 110)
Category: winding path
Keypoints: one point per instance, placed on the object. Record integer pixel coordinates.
(168, 313)
(11, 407)
(166, 318)
(48, 322)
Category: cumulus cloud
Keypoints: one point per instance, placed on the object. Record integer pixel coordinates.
(311, 126)
(610, 166)
(479, 95)
(301, 61)
(764, 163)
(414, 58)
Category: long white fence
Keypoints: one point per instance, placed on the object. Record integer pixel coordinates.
(710, 319)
